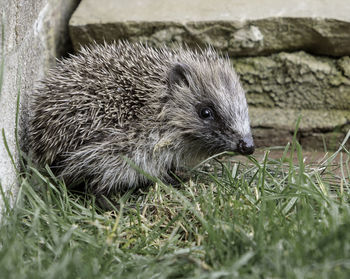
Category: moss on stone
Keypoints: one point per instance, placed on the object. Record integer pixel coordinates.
(295, 80)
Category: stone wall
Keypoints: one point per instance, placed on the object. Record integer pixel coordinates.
(292, 56)
(34, 34)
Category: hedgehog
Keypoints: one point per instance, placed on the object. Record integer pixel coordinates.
(117, 114)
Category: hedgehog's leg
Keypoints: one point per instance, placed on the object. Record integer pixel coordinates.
(106, 204)
(177, 177)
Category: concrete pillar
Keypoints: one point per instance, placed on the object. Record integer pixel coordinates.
(34, 33)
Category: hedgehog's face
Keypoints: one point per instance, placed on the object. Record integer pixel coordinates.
(209, 108)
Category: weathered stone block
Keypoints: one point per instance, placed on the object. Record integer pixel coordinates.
(296, 80)
(245, 28)
(275, 126)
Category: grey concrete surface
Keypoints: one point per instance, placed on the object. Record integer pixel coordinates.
(35, 33)
(108, 11)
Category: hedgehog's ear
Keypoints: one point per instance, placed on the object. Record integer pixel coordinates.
(179, 74)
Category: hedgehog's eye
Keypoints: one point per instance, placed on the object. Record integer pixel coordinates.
(206, 113)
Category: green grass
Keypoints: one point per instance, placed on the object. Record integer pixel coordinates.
(268, 218)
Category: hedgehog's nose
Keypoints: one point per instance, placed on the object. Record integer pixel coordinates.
(246, 146)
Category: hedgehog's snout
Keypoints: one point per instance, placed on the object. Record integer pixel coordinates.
(246, 146)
